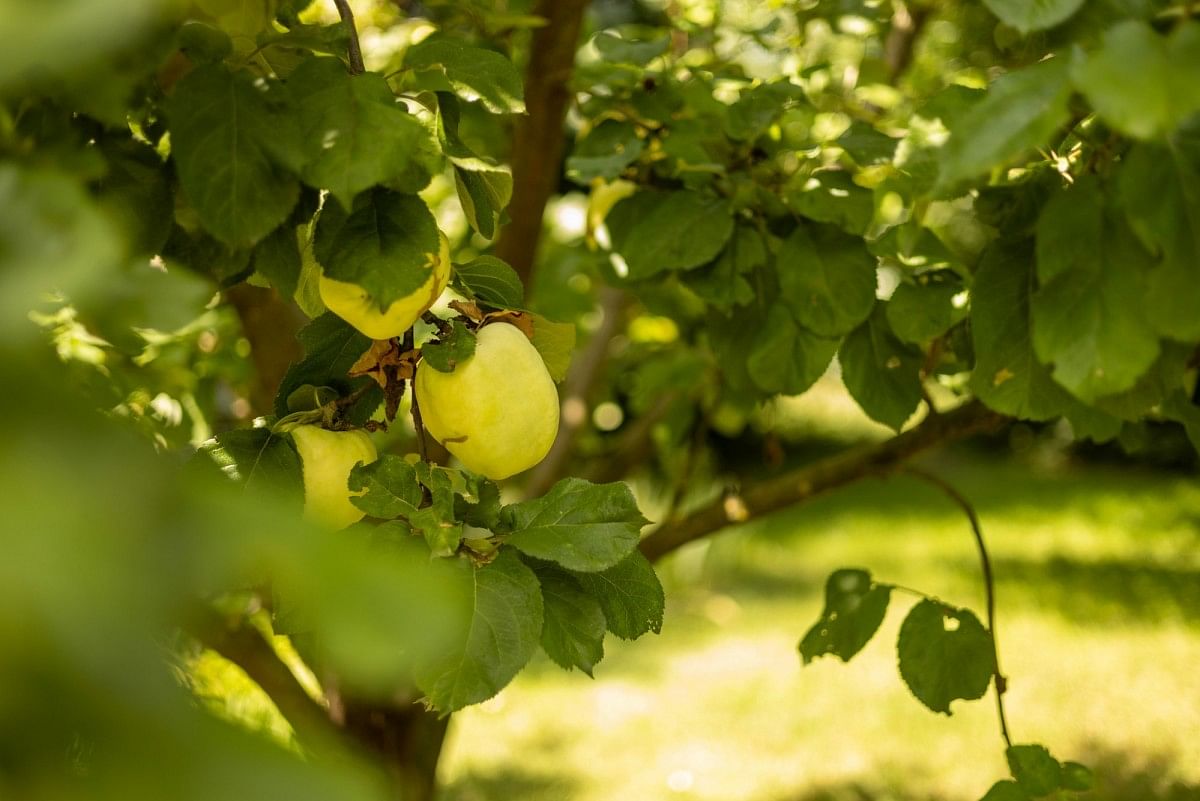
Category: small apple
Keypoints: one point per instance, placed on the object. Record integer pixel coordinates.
(327, 457)
(352, 303)
(498, 411)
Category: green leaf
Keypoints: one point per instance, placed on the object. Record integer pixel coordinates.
(663, 231)
(1005, 791)
(449, 350)
(483, 194)
(1141, 83)
(1089, 317)
(491, 281)
(1077, 777)
(854, 608)
(1020, 112)
(484, 187)
(471, 72)
(605, 152)
(331, 347)
(831, 196)
(945, 655)
(1160, 192)
(867, 145)
(620, 50)
(924, 309)
(1035, 770)
(723, 283)
(1007, 375)
(232, 146)
(882, 373)
(258, 460)
(579, 525)
(787, 358)
(555, 342)
(1180, 408)
(389, 486)
(437, 522)
(387, 245)
(827, 278)
(1033, 15)
(51, 234)
(484, 511)
(630, 595)
(573, 623)
(277, 258)
(353, 131)
(503, 631)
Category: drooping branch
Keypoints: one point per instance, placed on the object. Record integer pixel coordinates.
(354, 48)
(538, 145)
(989, 583)
(825, 474)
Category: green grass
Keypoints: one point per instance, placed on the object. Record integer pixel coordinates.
(1099, 602)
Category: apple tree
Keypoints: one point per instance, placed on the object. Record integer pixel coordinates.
(333, 363)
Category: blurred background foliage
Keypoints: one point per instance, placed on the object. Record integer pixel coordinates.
(110, 534)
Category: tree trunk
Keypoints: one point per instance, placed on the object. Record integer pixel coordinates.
(406, 741)
(538, 145)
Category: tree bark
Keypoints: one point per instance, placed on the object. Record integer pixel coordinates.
(821, 476)
(270, 323)
(406, 740)
(539, 142)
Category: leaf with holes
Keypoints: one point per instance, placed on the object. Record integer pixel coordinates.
(945, 655)
(854, 608)
(630, 595)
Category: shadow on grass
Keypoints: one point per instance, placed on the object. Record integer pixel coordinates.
(1119, 777)
(507, 785)
(1097, 593)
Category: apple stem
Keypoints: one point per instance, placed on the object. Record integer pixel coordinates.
(418, 426)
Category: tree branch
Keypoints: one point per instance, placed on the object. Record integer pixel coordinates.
(825, 474)
(246, 648)
(354, 49)
(902, 38)
(538, 145)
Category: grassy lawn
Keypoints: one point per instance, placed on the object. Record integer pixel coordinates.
(1099, 626)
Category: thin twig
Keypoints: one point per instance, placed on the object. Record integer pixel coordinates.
(418, 425)
(354, 49)
(988, 582)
